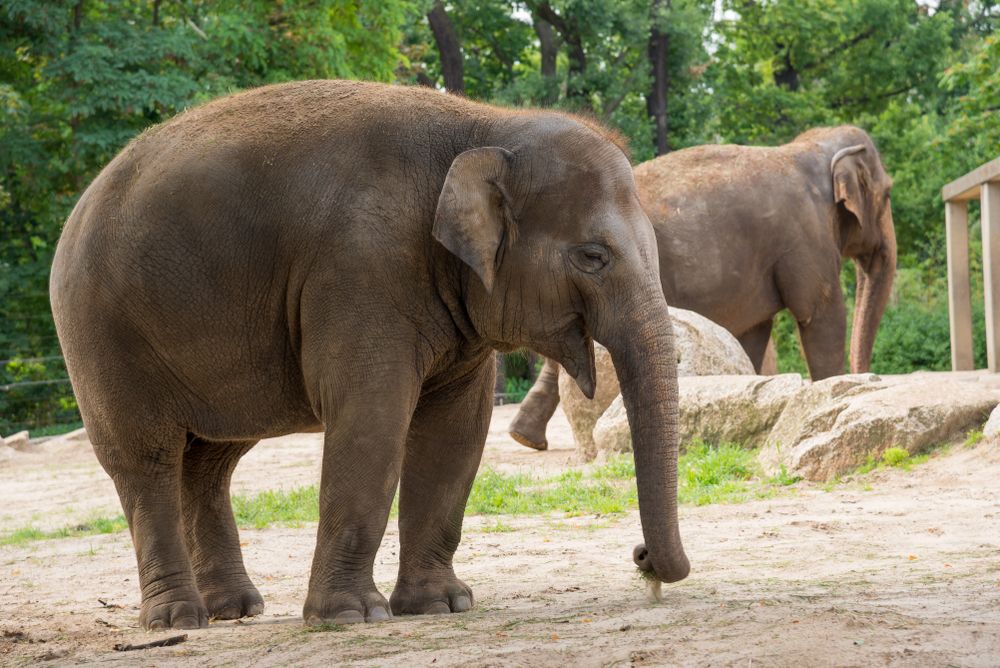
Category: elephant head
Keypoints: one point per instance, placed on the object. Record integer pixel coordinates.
(861, 189)
(557, 252)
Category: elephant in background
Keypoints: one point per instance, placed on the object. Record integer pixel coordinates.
(744, 232)
(344, 257)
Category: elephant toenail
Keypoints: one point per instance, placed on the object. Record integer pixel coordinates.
(379, 615)
(157, 625)
(348, 617)
(437, 608)
(461, 604)
(255, 609)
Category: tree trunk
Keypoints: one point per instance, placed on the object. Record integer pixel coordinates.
(77, 15)
(656, 103)
(569, 30)
(452, 63)
(548, 46)
(156, 12)
(787, 76)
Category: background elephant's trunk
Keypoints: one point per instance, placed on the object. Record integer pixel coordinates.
(874, 275)
(642, 350)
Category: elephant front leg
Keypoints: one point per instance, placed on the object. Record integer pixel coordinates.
(528, 426)
(443, 452)
(362, 454)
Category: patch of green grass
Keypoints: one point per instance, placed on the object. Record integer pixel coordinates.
(93, 527)
(894, 457)
(972, 438)
(498, 527)
(707, 474)
(324, 628)
(289, 508)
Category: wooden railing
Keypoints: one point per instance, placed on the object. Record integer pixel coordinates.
(982, 184)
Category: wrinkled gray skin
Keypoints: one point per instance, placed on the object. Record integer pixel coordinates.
(344, 257)
(744, 232)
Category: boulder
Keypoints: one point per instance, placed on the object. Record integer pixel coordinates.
(734, 409)
(702, 347)
(706, 349)
(815, 409)
(582, 412)
(845, 424)
(76, 440)
(991, 429)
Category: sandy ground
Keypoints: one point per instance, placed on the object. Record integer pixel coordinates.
(893, 569)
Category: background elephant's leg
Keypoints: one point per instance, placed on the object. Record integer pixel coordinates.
(754, 342)
(528, 426)
(823, 337)
(146, 469)
(210, 530)
(362, 455)
(443, 452)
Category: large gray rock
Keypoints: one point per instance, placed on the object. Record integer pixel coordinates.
(814, 409)
(582, 412)
(702, 347)
(837, 427)
(991, 429)
(706, 349)
(733, 409)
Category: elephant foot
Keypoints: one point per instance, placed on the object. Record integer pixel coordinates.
(234, 603)
(431, 596)
(178, 608)
(345, 608)
(528, 441)
(528, 429)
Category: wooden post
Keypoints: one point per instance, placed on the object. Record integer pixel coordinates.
(959, 297)
(990, 215)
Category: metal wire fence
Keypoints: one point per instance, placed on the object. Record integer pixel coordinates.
(35, 394)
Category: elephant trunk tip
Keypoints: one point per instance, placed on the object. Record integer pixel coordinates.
(674, 573)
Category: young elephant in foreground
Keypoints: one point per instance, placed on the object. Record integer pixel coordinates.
(344, 257)
(746, 231)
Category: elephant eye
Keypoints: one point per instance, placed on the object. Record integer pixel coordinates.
(590, 258)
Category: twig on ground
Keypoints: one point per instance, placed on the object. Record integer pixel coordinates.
(163, 642)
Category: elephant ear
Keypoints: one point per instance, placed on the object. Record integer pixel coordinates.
(850, 182)
(473, 210)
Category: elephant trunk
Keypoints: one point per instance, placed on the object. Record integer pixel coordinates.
(642, 349)
(875, 274)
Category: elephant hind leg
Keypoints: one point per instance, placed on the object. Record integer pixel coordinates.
(210, 529)
(755, 341)
(145, 463)
(528, 426)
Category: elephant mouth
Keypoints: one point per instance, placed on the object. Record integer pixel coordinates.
(574, 351)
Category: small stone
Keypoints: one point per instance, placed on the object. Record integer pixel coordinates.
(19, 441)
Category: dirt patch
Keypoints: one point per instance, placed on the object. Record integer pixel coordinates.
(900, 568)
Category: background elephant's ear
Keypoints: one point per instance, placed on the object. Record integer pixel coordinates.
(850, 182)
(473, 209)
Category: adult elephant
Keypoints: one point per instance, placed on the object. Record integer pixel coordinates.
(745, 231)
(344, 257)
